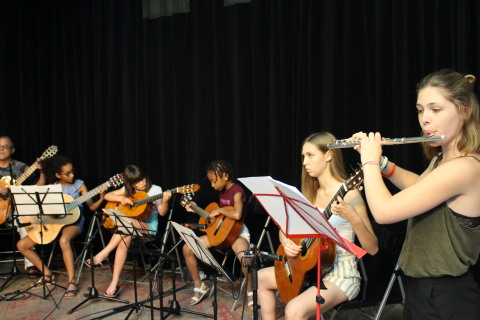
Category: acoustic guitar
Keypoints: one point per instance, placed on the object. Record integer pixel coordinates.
(5, 182)
(294, 274)
(221, 230)
(142, 204)
(55, 223)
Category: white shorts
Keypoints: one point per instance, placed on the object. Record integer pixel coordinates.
(244, 233)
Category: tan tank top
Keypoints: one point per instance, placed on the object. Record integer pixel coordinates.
(437, 244)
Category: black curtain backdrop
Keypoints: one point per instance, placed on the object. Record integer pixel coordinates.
(246, 83)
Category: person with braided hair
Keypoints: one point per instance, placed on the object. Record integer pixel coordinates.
(222, 178)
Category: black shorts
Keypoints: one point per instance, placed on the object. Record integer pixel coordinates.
(442, 298)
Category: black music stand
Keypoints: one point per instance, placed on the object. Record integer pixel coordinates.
(204, 255)
(92, 291)
(297, 218)
(14, 271)
(125, 227)
(32, 203)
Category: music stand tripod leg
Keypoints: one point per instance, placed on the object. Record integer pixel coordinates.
(89, 236)
(93, 292)
(14, 271)
(169, 230)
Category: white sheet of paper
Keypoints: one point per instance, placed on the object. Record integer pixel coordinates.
(26, 201)
(198, 247)
(277, 208)
(122, 222)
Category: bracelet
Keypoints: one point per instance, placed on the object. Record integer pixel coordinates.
(370, 162)
(384, 163)
(391, 172)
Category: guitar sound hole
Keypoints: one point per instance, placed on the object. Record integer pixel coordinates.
(304, 251)
(60, 216)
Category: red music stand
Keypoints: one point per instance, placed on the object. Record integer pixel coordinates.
(297, 218)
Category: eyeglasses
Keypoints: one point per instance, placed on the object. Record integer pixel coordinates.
(4, 147)
(68, 174)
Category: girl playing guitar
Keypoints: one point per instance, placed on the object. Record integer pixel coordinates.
(322, 175)
(222, 177)
(135, 179)
(59, 170)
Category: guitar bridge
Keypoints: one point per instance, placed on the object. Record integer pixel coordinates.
(288, 271)
(219, 225)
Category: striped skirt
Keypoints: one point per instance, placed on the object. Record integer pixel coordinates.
(345, 274)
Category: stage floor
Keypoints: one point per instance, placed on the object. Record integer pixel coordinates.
(30, 307)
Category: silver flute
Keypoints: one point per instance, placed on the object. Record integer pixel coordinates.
(385, 141)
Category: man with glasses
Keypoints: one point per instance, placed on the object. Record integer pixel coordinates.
(6, 151)
(17, 169)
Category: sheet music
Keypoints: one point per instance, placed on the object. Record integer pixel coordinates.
(26, 201)
(294, 215)
(122, 222)
(199, 248)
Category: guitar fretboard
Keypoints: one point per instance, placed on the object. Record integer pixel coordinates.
(153, 198)
(26, 174)
(307, 242)
(204, 214)
(86, 196)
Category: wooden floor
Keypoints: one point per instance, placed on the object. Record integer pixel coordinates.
(30, 307)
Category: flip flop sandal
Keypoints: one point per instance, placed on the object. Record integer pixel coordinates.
(70, 291)
(114, 294)
(194, 300)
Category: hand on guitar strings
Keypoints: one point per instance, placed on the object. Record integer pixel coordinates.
(125, 201)
(290, 248)
(215, 213)
(167, 195)
(188, 207)
(4, 190)
(343, 209)
(103, 192)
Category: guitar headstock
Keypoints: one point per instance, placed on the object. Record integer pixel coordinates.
(186, 199)
(50, 152)
(189, 189)
(116, 180)
(355, 180)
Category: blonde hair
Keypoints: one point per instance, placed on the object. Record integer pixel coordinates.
(457, 89)
(310, 185)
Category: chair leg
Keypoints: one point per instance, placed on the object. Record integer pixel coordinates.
(387, 292)
(334, 314)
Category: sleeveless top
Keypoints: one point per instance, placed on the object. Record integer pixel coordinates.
(437, 244)
(227, 198)
(344, 229)
(73, 191)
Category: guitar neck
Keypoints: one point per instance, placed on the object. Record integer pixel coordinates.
(26, 174)
(153, 198)
(86, 196)
(340, 193)
(307, 242)
(204, 214)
